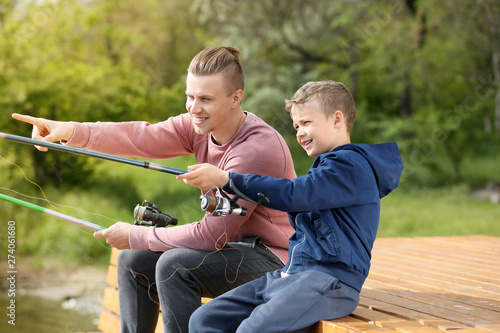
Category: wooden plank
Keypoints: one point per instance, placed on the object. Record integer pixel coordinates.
(443, 319)
(442, 263)
(428, 259)
(443, 269)
(346, 325)
(108, 322)
(437, 299)
(414, 273)
(408, 310)
(401, 279)
(112, 277)
(110, 300)
(159, 325)
(453, 246)
(114, 256)
(393, 323)
(436, 249)
(432, 253)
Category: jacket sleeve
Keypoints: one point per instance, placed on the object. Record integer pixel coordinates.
(335, 181)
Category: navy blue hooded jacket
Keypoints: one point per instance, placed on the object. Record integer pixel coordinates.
(335, 208)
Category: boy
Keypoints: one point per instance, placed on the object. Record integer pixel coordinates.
(334, 209)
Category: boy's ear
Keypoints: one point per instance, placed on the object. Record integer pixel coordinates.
(338, 118)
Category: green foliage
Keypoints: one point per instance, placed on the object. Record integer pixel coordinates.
(67, 62)
(421, 72)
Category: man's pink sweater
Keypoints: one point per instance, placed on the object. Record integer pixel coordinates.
(256, 148)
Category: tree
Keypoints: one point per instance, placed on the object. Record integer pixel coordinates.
(418, 69)
(491, 10)
(89, 62)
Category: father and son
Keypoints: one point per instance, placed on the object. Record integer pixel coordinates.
(300, 258)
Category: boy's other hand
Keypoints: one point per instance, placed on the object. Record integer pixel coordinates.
(205, 176)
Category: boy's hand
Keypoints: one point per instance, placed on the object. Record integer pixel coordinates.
(205, 176)
(47, 130)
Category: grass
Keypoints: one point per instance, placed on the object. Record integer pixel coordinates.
(437, 212)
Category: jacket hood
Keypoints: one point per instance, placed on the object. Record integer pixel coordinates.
(385, 161)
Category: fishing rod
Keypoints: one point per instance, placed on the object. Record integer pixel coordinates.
(80, 151)
(57, 215)
(145, 214)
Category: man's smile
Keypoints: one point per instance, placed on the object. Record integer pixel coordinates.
(199, 120)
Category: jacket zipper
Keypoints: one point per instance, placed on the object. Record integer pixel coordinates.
(295, 246)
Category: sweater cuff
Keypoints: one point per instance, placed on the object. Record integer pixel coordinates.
(80, 137)
(138, 238)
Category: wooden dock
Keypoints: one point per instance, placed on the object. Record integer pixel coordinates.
(423, 284)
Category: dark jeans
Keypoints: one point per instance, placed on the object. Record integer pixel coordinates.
(178, 278)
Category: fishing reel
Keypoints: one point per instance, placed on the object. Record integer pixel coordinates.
(149, 214)
(223, 206)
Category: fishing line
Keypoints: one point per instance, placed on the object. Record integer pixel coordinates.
(219, 249)
(52, 203)
(80, 224)
(29, 180)
(150, 285)
(201, 263)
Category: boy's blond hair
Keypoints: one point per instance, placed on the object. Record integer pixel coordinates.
(330, 96)
(220, 60)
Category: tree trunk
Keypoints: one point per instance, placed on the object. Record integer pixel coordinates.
(492, 10)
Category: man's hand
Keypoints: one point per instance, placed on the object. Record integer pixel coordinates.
(205, 176)
(47, 130)
(116, 235)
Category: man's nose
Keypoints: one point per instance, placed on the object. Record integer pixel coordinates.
(194, 106)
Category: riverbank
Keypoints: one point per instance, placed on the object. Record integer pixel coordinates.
(55, 298)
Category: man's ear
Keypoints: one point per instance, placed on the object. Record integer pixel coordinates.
(237, 97)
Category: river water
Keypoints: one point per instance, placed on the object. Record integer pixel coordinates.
(64, 301)
(41, 315)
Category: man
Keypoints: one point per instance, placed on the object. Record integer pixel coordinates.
(176, 266)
